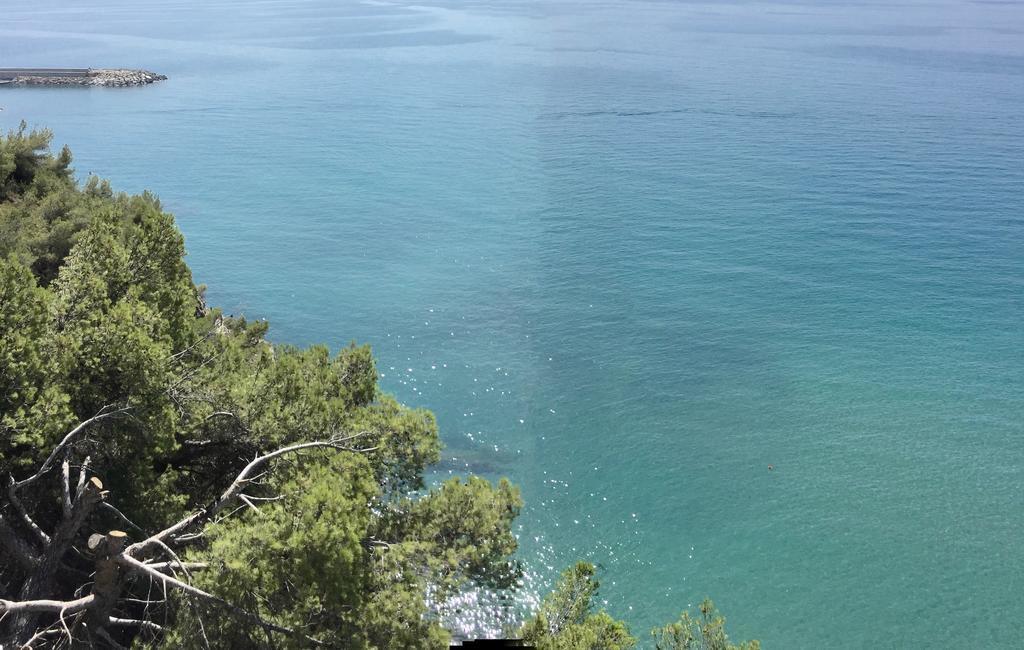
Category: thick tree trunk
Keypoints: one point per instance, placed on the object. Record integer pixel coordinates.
(109, 579)
(40, 582)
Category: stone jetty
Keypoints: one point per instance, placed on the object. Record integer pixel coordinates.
(110, 77)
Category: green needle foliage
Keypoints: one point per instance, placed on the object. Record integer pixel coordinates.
(97, 307)
(567, 620)
(705, 632)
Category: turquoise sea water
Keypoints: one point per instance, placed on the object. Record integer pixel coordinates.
(631, 253)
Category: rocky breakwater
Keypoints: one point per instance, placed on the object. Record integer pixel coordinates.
(107, 77)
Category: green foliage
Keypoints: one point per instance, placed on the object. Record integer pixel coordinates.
(26, 163)
(300, 561)
(98, 308)
(566, 620)
(41, 211)
(459, 531)
(33, 408)
(706, 632)
(317, 558)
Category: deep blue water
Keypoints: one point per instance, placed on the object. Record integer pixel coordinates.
(631, 253)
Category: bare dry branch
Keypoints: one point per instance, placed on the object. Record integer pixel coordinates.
(249, 503)
(64, 625)
(104, 413)
(54, 606)
(107, 506)
(140, 601)
(83, 473)
(40, 635)
(131, 622)
(174, 564)
(184, 539)
(184, 351)
(176, 560)
(12, 496)
(221, 414)
(195, 370)
(277, 498)
(65, 484)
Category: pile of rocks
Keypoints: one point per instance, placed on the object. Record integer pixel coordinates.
(95, 77)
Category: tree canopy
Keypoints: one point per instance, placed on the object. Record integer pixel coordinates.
(568, 620)
(173, 479)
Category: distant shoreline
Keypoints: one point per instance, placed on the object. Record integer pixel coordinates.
(104, 77)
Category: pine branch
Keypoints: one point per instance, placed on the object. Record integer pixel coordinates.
(248, 474)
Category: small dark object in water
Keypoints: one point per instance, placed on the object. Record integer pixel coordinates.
(771, 467)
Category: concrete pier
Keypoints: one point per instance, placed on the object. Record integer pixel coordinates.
(77, 77)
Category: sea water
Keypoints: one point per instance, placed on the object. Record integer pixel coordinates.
(632, 254)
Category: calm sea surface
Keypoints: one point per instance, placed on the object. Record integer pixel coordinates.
(631, 253)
